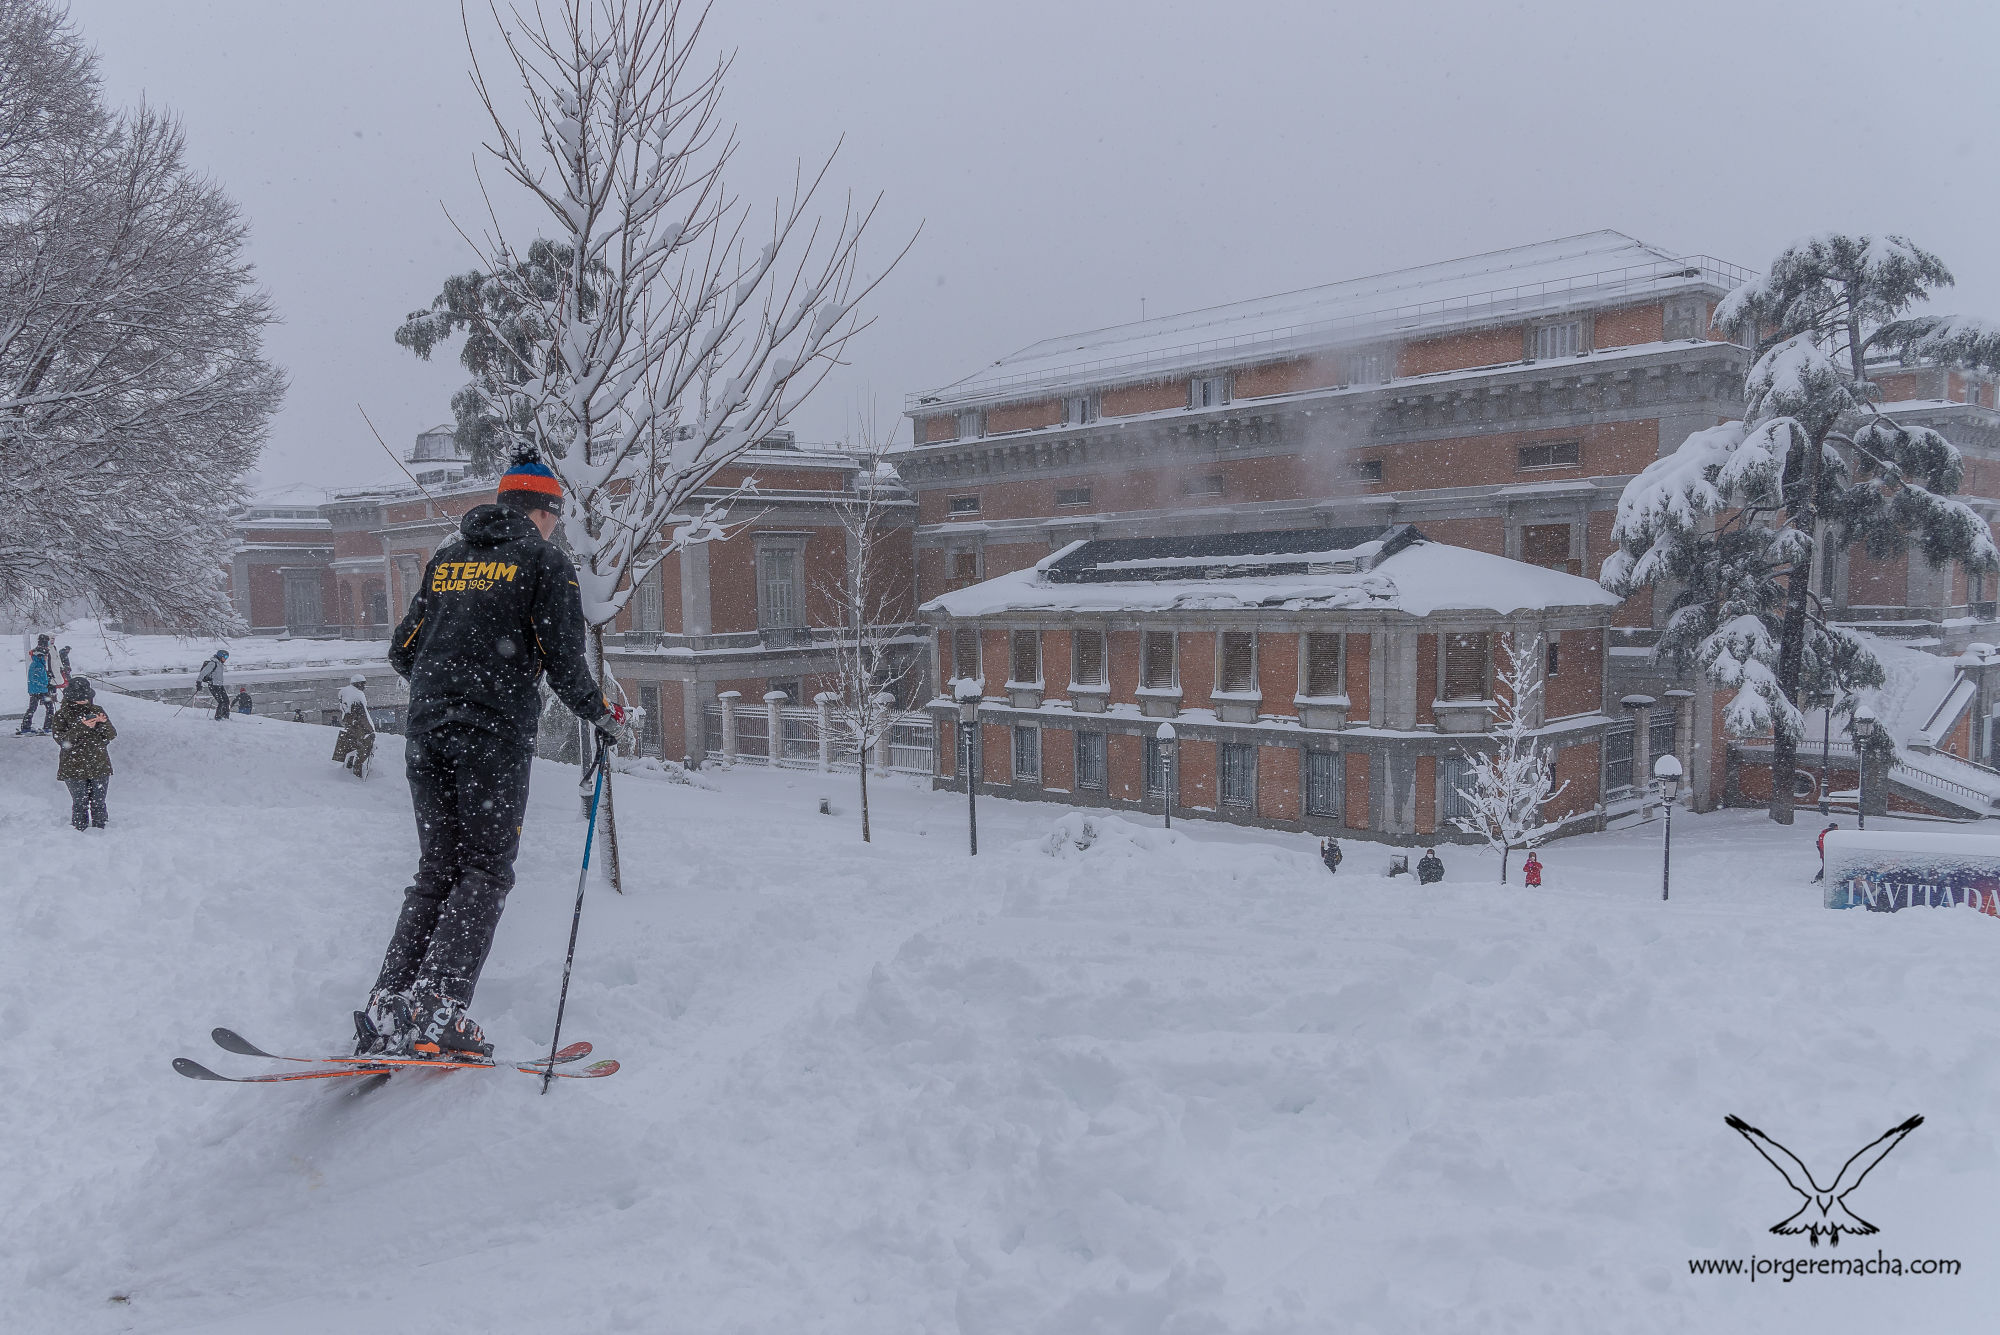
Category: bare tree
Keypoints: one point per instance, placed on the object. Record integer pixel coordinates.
(873, 592)
(672, 339)
(133, 391)
(1513, 783)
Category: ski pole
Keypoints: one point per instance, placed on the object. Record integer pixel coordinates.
(190, 700)
(576, 918)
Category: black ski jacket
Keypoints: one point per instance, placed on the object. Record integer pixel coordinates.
(498, 607)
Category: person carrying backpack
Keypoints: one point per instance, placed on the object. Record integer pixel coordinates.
(210, 676)
(84, 732)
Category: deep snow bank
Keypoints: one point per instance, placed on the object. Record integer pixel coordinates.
(1173, 1083)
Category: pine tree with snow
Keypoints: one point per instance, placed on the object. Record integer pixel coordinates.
(1513, 784)
(1728, 526)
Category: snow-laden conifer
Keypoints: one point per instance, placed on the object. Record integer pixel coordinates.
(1730, 527)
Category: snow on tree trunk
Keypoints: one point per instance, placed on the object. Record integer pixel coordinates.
(1513, 783)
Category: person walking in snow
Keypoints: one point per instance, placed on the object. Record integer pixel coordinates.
(210, 676)
(1531, 870)
(356, 743)
(242, 699)
(41, 690)
(84, 732)
(1831, 826)
(498, 609)
(1430, 867)
(1329, 853)
(298, 716)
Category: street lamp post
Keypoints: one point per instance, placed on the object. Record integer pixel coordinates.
(1823, 701)
(967, 692)
(1167, 746)
(1864, 728)
(1667, 772)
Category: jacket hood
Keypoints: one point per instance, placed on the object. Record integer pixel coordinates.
(491, 525)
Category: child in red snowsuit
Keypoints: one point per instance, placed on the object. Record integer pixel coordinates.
(1531, 870)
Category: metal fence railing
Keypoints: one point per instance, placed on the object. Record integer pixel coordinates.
(909, 745)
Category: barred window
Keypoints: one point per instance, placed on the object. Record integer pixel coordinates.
(1368, 366)
(965, 652)
(1660, 733)
(1090, 761)
(1072, 495)
(971, 423)
(1465, 666)
(1208, 391)
(1555, 454)
(1159, 664)
(1239, 774)
(1366, 470)
(1455, 773)
(1208, 484)
(1087, 669)
(1027, 754)
(1322, 665)
(1618, 756)
(778, 588)
(1080, 409)
(1027, 656)
(965, 505)
(1559, 340)
(1156, 768)
(1326, 775)
(965, 567)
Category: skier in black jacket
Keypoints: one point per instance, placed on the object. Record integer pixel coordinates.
(497, 610)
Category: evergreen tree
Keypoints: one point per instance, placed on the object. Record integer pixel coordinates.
(1729, 524)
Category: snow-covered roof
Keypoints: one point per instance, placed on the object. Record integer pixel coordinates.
(1391, 570)
(1573, 273)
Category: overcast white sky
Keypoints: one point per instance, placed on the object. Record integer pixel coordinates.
(1067, 160)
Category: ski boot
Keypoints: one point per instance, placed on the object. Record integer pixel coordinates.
(444, 1030)
(386, 1027)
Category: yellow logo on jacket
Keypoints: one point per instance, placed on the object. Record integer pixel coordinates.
(458, 576)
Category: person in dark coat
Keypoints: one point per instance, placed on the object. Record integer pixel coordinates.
(497, 612)
(1430, 867)
(41, 687)
(1329, 853)
(210, 677)
(242, 700)
(84, 732)
(356, 742)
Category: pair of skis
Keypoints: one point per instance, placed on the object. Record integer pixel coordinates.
(334, 1068)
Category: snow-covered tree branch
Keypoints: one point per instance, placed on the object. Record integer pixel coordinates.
(133, 391)
(1513, 784)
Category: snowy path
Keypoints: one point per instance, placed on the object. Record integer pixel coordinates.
(1170, 1084)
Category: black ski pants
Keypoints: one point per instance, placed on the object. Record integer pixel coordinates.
(221, 701)
(86, 801)
(470, 789)
(46, 702)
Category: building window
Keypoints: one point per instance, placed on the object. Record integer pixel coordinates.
(1563, 339)
(1323, 677)
(1546, 545)
(1027, 646)
(1455, 776)
(965, 567)
(1155, 767)
(1208, 484)
(1552, 454)
(1370, 366)
(1208, 391)
(789, 687)
(1660, 734)
(1239, 774)
(1326, 784)
(965, 652)
(1465, 666)
(1087, 657)
(649, 702)
(778, 588)
(1618, 757)
(1027, 754)
(1072, 495)
(1157, 671)
(1079, 410)
(971, 424)
(649, 613)
(1090, 761)
(1685, 318)
(965, 505)
(1365, 470)
(1554, 663)
(1238, 649)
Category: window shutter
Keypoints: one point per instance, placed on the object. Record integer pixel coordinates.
(965, 652)
(1089, 658)
(1238, 661)
(1465, 666)
(1027, 655)
(1322, 665)
(1159, 665)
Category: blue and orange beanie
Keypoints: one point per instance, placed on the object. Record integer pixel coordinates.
(527, 475)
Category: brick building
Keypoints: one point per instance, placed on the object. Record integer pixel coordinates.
(1500, 402)
(1333, 680)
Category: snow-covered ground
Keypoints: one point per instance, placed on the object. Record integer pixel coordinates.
(97, 651)
(1169, 1083)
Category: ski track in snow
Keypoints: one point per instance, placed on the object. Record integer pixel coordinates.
(1177, 1082)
